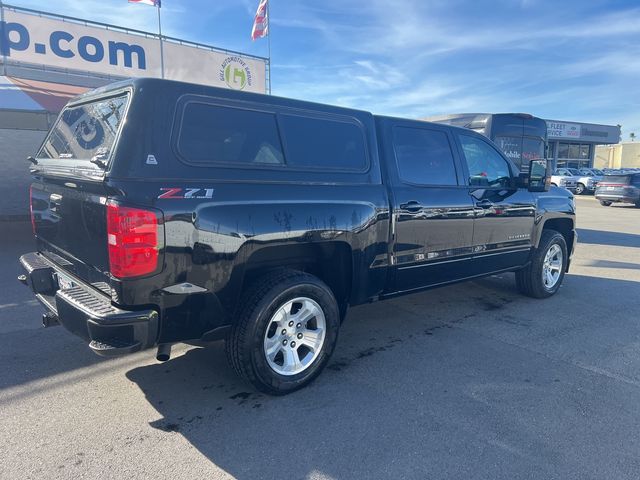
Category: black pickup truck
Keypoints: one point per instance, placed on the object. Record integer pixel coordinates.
(167, 212)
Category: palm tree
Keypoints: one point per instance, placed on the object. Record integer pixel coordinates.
(632, 136)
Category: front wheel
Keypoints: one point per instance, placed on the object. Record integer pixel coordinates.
(580, 189)
(285, 333)
(605, 203)
(543, 276)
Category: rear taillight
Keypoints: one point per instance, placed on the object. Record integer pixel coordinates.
(133, 236)
(33, 219)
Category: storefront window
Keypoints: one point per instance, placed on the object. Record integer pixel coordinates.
(574, 151)
(563, 150)
(584, 151)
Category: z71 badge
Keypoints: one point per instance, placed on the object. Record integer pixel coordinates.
(170, 192)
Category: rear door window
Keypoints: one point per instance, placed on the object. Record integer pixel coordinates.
(424, 156)
(214, 134)
(86, 131)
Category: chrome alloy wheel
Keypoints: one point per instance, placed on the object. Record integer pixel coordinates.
(552, 266)
(294, 336)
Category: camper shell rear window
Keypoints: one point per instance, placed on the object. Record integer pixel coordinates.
(226, 135)
(86, 131)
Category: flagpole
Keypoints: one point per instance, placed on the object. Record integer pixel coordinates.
(4, 55)
(269, 43)
(160, 35)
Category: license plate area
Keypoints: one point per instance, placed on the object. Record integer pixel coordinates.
(64, 282)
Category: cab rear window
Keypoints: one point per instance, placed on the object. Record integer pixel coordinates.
(87, 131)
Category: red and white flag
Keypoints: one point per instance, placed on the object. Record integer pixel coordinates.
(153, 3)
(261, 22)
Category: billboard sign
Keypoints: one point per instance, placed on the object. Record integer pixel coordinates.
(63, 44)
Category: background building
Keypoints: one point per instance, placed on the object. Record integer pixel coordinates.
(622, 155)
(573, 144)
(45, 59)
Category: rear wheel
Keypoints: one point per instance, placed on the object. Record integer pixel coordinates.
(543, 276)
(285, 332)
(605, 203)
(580, 189)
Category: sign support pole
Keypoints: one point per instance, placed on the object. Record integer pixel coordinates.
(160, 35)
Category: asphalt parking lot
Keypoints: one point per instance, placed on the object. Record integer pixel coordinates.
(469, 381)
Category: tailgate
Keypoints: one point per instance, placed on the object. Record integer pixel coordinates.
(69, 221)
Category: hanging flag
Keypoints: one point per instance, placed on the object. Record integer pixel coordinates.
(261, 22)
(153, 3)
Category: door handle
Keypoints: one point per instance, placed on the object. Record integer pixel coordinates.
(411, 206)
(54, 202)
(485, 204)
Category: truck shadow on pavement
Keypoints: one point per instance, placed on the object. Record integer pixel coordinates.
(406, 392)
(601, 237)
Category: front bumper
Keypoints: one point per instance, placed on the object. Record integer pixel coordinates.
(87, 312)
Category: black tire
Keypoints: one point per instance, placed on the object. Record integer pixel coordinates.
(605, 203)
(244, 345)
(580, 189)
(529, 280)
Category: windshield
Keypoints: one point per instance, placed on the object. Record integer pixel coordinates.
(86, 131)
(573, 171)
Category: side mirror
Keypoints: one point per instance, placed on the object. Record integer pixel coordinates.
(539, 176)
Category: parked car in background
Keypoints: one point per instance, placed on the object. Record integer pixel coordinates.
(584, 183)
(592, 172)
(623, 188)
(565, 181)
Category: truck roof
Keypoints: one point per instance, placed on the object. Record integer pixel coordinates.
(137, 84)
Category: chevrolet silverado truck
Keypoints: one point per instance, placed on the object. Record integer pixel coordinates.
(166, 212)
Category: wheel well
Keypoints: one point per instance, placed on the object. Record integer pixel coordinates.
(564, 226)
(331, 262)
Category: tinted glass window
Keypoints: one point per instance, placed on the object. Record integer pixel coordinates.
(532, 149)
(486, 167)
(584, 151)
(563, 150)
(622, 179)
(86, 131)
(424, 156)
(323, 143)
(213, 134)
(511, 147)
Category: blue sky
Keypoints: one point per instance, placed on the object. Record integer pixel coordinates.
(566, 60)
